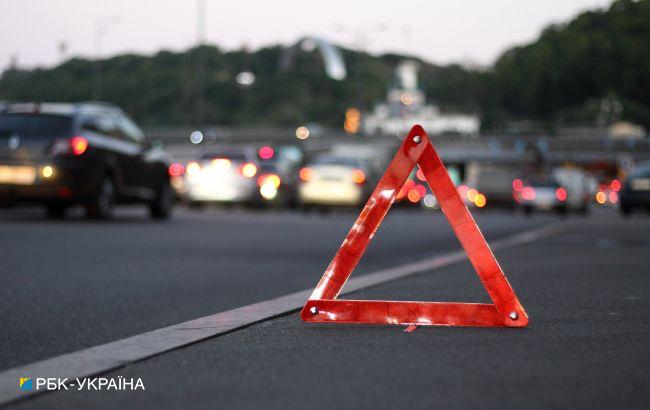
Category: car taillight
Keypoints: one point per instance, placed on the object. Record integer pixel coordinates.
(269, 179)
(471, 194)
(266, 152)
(528, 193)
(480, 200)
(305, 174)
(176, 170)
(75, 145)
(560, 194)
(248, 170)
(413, 195)
(517, 185)
(358, 176)
(79, 145)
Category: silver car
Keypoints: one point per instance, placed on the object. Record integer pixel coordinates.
(541, 193)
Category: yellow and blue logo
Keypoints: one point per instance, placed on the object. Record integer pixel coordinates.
(26, 383)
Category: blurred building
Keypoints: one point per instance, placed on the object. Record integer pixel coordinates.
(406, 105)
(626, 130)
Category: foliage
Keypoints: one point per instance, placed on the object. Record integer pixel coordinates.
(560, 77)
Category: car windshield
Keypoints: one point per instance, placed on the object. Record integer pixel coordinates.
(35, 125)
(232, 155)
(542, 182)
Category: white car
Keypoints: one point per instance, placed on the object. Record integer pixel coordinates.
(334, 181)
(228, 175)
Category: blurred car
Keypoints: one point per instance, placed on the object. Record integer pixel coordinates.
(332, 181)
(278, 178)
(472, 197)
(277, 184)
(577, 184)
(607, 193)
(416, 191)
(60, 155)
(635, 193)
(290, 156)
(495, 185)
(226, 175)
(541, 193)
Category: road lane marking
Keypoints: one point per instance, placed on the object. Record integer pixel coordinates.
(106, 357)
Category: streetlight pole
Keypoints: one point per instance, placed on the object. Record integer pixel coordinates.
(199, 63)
(101, 27)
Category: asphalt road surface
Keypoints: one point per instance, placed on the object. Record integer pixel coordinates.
(74, 284)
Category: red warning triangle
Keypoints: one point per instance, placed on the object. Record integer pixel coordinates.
(323, 306)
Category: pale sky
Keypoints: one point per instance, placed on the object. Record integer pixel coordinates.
(31, 31)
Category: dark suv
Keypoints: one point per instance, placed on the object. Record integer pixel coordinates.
(88, 153)
(636, 191)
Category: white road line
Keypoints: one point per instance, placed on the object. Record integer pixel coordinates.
(103, 358)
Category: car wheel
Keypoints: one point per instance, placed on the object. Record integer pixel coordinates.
(101, 206)
(161, 206)
(55, 211)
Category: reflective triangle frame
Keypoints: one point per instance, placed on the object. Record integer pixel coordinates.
(323, 305)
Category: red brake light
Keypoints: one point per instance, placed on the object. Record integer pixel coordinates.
(517, 185)
(266, 152)
(176, 170)
(79, 145)
(615, 185)
(528, 193)
(560, 194)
